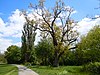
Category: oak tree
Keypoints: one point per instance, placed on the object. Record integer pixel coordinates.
(57, 23)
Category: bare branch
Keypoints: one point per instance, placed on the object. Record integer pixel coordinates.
(46, 21)
(72, 40)
(73, 48)
(44, 30)
(67, 20)
(55, 17)
(61, 19)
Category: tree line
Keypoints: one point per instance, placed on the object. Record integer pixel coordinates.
(88, 50)
(59, 41)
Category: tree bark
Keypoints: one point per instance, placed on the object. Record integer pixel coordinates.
(56, 60)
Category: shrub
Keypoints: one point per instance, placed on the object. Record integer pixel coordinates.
(92, 67)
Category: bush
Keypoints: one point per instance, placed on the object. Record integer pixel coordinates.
(27, 64)
(2, 59)
(13, 55)
(92, 67)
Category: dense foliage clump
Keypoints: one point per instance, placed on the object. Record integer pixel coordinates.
(13, 55)
(92, 67)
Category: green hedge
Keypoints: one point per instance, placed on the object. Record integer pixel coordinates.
(92, 67)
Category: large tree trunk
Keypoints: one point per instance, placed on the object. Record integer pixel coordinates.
(56, 60)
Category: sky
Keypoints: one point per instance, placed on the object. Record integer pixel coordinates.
(11, 23)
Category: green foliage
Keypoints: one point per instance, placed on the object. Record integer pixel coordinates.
(92, 67)
(28, 38)
(13, 54)
(44, 51)
(89, 47)
(61, 70)
(28, 64)
(85, 53)
(2, 59)
(92, 40)
(70, 59)
(6, 69)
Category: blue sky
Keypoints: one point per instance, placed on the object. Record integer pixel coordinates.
(9, 17)
(84, 7)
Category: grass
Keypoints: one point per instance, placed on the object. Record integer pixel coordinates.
(62, 70)
(6, 69)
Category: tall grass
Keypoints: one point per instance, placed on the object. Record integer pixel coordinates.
(6, 69)
(62, 70)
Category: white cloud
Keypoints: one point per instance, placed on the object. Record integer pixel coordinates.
(1, 22)
(37, 38)
(2, 25)
(4, 43)
(18, 44)
(9, 29)
(15, 24)
(86, 24)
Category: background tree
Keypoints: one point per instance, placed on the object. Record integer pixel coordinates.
(28, 38)
(13, 55)
(63, 34)
(44, 51)
(2, 59)
(89, 47)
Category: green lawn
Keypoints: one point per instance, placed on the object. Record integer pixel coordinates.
(62, 70)
(6, 69)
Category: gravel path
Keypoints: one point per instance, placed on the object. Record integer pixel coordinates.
(25, 71)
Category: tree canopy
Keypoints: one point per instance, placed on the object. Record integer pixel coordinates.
(63, 34)
(28, 38)
(13, 55)
(44, 51)
(89, 47)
